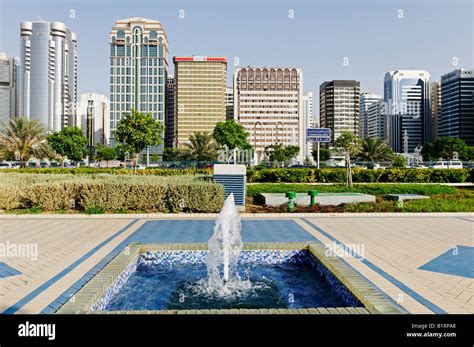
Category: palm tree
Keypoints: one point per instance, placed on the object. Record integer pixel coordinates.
(202, 146)
(373, 149)
(24, 139)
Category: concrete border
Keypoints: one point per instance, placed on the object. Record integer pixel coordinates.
(373, 300)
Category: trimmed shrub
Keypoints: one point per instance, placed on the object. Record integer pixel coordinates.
(195, 197)
(50, 196)
(111, 193)
(115, 171)
(338, 175)
(9, 197)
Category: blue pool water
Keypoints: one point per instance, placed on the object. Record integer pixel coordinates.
(176, 284)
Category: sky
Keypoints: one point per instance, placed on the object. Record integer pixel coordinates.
(327, 39)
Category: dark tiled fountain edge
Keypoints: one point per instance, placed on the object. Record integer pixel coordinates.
(373, 300)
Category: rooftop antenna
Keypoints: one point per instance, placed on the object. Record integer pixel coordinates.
(40, 19)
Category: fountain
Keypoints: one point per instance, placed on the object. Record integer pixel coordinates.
(224, 248)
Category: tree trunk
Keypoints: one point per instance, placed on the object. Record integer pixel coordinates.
(348, 171)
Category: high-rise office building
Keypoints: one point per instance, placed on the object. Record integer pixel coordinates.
(94, 118)
(229, 103)
(366, 99)
(170, 128)
(138, 70)
(407, 96)
(8, 89)
(376, 121)
(457, 107)
(339, 107)
(200, 94)
(48, 74)
(435, 100)
(307, 105)
(268, 103)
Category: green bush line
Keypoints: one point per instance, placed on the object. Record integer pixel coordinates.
(115, 171)
(374, 189)
(337, 175)
(110, 193)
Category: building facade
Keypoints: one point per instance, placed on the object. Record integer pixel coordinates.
(170, 128)
(339, 107)
(94, 118)
(8, 89)
(435, 101)
(138, 70)
(407, 97)
(366, 99)
(307, 105)
(457, 107)
(376, 121)
(268, 103)
(229, 103)
(48, 74)
(200, 95)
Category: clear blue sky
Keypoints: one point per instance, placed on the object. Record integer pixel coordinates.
(260, 32)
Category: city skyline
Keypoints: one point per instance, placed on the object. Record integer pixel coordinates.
(256, 44)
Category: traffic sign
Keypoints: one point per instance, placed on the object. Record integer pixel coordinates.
(318, 134)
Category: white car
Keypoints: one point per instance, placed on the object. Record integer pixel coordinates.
(7, 165)
(448, 164)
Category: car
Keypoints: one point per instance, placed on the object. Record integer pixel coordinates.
(448, 164)
(418, 166)
(5, 165)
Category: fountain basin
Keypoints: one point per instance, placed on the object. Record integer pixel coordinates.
(283, 277)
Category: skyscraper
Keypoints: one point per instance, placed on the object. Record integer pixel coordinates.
(435, 100)
(48, 74)
(8, 88)
(407, 96)
(229, 103)
(138, 69)
(307, 104)
(457, 106)
(376, 121)
(170, 127)
(366, 99)
(94, 118)
(200, 94)
(339, 107)
(268, 103)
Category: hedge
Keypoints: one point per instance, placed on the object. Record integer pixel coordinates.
(374, 189)
(338, 175)
(115, 171)
(110, 193)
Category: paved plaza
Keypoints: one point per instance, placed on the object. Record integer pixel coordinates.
(424, 261)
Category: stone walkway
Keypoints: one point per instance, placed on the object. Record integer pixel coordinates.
(424, 262)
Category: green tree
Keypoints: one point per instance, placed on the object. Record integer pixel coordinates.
(399, 161)
(24, 139)
(231, 134)
(444, 148)
(372, 149)
(202, 147)
(106, 153)
(349, 145)
(279, 153)
(69, 142)
(136, 131)
(324, 154)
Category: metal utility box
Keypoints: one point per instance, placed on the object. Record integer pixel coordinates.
(233, 178)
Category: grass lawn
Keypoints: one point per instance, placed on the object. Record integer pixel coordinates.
(442, 198)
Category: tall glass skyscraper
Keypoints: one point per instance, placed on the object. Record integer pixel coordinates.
(407, 101)
(138, 69)
(457, 105)
(8, 88)
(48, 74)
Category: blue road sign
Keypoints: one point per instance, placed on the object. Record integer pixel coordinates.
(318, 134)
